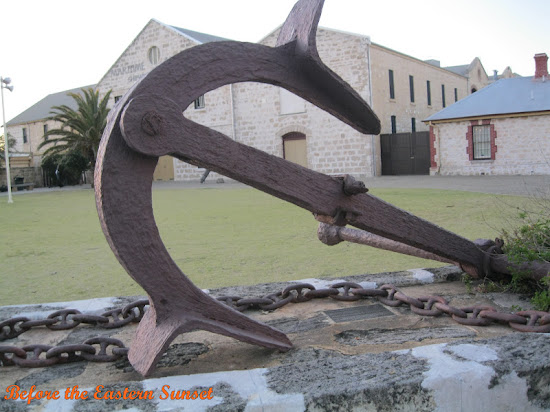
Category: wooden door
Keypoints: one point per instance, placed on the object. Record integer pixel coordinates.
(164, 169)
(295, 148)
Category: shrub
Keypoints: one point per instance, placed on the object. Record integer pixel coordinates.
(527, 243)
(65, 168)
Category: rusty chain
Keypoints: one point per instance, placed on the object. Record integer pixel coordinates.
(96, 349)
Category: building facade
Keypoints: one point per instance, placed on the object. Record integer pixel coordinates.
(502, 129)
(402, 91)
(28, 128)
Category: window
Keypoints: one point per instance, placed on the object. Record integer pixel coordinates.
(429, 91)
(45, 128)
(393, 125)
(154, 55)
(117, 98)
(413, 125)
(481, 139)
(25, 137)
(392, 89)
(290, 103)
(443, 95)
(199, 103)
(411, 87)
(456, 94)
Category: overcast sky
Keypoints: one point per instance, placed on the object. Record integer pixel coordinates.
(48, 46)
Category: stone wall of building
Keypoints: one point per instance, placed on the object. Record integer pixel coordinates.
(403, 66)
(263, 114)
(521, 146)
(29, 175)
(140, 57)
(35, 136)
(477, 77)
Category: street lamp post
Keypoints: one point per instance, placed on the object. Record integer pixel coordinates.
(4, 82)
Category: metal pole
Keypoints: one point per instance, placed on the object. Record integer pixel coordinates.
(6, 148)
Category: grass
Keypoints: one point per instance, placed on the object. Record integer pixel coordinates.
(53, 249)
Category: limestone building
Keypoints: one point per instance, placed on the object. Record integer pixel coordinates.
(401, 89)
(502, 129)
(28, 128)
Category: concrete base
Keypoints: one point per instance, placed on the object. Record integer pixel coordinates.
(345, 358)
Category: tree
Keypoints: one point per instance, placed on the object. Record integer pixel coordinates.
(64, 169)
(81, 129)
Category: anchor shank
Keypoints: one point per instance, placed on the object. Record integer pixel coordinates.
(313, 191)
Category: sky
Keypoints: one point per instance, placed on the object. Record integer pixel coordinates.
(49, 46)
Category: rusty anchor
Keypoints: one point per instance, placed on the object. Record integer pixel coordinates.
(148, 123)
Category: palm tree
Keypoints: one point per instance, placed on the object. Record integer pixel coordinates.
(81, 129)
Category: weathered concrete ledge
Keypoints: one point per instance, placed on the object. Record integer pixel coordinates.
(381, 360)
(98, 305)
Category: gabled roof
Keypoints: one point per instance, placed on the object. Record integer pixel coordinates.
(505, 96)
(41, 110)
(462, 69)
(197, 36)
(194, 36)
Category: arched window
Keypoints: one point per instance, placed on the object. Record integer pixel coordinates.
(154, 55)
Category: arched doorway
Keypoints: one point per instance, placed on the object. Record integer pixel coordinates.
(295, 148)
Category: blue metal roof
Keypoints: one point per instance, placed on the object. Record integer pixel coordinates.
(506, 96)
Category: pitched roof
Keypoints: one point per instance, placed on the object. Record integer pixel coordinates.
(41, 110)
(462, 69)
(505, 96)
(198, 36)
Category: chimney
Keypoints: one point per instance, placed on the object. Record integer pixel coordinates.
(495, 75)
(541, 65)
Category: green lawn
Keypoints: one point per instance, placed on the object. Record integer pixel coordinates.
(53, 249)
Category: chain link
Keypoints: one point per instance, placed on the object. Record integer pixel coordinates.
(96, 349)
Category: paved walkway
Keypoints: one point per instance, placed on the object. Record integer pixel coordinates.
(535, 185)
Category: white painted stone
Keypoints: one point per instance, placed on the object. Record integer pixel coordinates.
(61, 404)
(368, 285)
(474, 352)
(250, 385)
(319, 283)
(463, 385)
(423, 276)
(87, 305)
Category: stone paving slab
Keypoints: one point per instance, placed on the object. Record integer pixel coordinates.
(347, 356)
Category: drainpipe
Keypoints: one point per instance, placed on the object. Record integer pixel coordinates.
(369, 68)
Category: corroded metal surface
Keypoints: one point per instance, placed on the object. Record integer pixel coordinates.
(148, 123)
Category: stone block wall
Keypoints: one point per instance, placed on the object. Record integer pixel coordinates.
(521, 146)
(35, 136)
(403, 66)
(261, 122)
(30, 174)
(135, 63)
